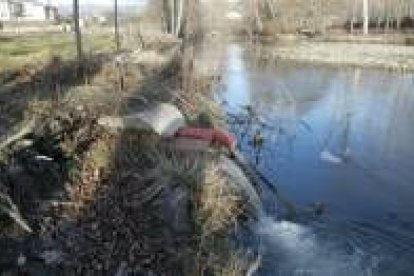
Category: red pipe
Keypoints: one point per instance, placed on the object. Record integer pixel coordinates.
(214, 136)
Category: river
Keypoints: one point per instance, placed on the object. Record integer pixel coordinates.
(338, 144)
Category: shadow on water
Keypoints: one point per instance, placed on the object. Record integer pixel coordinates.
(337, 143)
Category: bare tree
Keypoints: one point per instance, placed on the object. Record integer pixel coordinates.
(271, 8)
(173, 15)
(365, 16)
(353, 17)
(255, 8)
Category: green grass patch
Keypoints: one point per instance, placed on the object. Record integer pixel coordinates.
(19, 50)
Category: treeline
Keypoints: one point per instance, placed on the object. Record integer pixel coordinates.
(324, 15)
(180, 18)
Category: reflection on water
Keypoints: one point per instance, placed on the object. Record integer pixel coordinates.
(341, 137)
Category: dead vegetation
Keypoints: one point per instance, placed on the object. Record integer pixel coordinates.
(219, 202)
(102, 202)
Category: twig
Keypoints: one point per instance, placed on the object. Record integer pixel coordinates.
(258, 178)
(254, 267)
(9, 208)
(28, 128)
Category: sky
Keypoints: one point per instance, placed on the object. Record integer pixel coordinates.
(100, 2)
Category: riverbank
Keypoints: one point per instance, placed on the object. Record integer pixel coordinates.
(366, 55)
(79, 198)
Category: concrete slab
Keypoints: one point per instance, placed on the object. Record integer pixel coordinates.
(163, 119)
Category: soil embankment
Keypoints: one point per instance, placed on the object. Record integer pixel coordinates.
(115, 201)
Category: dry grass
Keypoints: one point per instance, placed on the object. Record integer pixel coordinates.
(219, 204)
(216, 207)
(227, 262)
(236, 264)
(178, 168)
(17, 51)
(119, 185)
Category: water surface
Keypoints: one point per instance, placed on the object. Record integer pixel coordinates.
(337, 141)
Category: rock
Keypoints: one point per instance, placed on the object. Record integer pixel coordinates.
(163, 119)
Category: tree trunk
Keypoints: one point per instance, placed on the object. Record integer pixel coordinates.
(354, 8)
(169, 15)
(166, 15)
(365, 15)
(271, 8)
(259, 24)
(116, 26)
(321, 26)
(78, 35)
(172, 16)
(174, 11)
(179, 17)
(399, 16)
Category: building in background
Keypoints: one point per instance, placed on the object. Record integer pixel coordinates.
(28, 10)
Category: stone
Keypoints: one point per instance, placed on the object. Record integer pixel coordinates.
(163, 119)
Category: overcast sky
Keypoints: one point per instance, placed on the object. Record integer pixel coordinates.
(100, 2)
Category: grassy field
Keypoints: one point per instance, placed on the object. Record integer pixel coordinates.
(16, 51)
